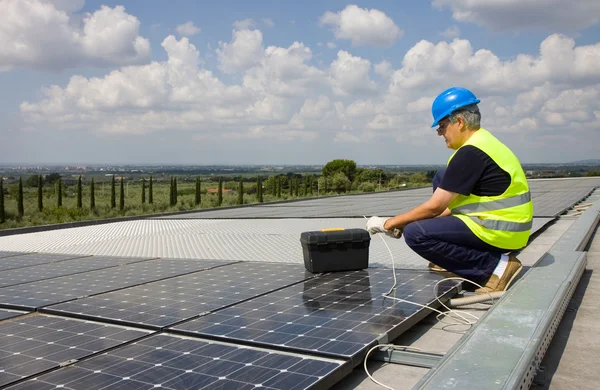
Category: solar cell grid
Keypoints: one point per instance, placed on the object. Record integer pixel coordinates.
(169, 301)
(37, 343)
(30, 259)
(60, 268)
(338, 314)
(4, 254)
(46, 292)
(174, 362)
(5, 314)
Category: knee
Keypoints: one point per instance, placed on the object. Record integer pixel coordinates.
(413, 234)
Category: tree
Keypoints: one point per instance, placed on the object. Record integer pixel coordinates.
(150, 199)
(340, 182)
(347, 167)
(79, 193)
(92, 196)
(52, 178)
(59, 193)
(171, 203)
(2, 215)
(240, 199)
(40, 194)
(174, 191)
(32, 181)
(220, 192)
(278, 187)
(259, 189)
(20, 209)
(122, 198)
(113, 195)
(143, 191)
(198, 199)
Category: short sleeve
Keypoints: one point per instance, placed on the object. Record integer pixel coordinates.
(464, 171)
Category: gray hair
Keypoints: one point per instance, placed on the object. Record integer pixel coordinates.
(470, 114)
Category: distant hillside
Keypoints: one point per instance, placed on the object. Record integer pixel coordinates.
(586, 162)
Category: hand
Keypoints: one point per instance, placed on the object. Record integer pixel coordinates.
(377, 225)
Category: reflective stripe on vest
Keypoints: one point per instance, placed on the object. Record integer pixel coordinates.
(494, 205)
(506, 226)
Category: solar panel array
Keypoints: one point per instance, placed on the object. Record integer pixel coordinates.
(34, 344)
(338, 315)
(175, 362)
(30, 296)
(60, 268)
(5, 313)
(167, 302)
(20, 260)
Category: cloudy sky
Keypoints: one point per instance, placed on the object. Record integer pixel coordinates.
(272, 82)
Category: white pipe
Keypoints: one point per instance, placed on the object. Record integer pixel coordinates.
(475, 299)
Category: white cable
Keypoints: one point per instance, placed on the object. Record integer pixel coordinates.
(455, 315)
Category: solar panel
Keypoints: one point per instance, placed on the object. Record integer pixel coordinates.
(36, 343)
(41, 293)
(4, 254)
(337, 315)
(174, 362)
(167, 302)
(61, 268)
(28, 259)
(5, 314)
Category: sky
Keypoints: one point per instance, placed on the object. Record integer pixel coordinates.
(281, 83)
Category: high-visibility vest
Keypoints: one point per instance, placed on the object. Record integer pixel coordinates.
(503, 221)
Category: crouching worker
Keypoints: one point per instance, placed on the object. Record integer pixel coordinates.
(481, 207)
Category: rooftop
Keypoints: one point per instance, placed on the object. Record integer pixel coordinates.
(195, 278)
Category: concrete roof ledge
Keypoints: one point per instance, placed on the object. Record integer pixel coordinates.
(505, 349)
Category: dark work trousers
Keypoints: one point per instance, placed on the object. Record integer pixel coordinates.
(449, 243)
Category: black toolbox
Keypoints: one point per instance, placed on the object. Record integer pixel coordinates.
(331, 250)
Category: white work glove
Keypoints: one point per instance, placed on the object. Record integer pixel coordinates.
(376, 225)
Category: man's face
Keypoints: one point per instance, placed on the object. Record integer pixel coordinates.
(451, 132)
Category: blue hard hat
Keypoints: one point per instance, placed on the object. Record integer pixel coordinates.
(449, 101)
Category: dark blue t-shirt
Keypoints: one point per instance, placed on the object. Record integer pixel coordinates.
(471, 171)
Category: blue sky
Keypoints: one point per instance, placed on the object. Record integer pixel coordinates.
(272, 82)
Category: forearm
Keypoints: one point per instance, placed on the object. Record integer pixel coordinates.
(424, 211)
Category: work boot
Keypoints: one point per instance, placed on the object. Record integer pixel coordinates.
(496, 283)
(435, 267)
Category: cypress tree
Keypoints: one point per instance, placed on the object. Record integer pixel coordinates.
(40, 194)
(59, 195)
(305, 187)
(175, 191)
(171, 193)
(291, 185)
(2, 216)
(150, 199)
(122, 198)
(113, 195)
(92, 196)
(143, 191)
(220, 192)
(20, 209)
(79, 193)
(241, 191)
(198, 195)
(297, 186)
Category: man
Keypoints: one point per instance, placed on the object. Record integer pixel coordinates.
(480, 208)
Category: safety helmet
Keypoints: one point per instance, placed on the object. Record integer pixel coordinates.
(449, 101)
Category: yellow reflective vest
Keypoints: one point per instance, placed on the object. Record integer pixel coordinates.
(505, 220)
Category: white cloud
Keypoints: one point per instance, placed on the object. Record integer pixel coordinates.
(350, 75)
(363, 26)
(244, 51)
(524, 14)
(285, 99)
(331, 45)
(245, 24)
(451, 32)
(36, 34)
(187, 29)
